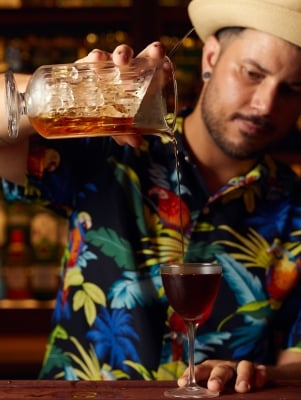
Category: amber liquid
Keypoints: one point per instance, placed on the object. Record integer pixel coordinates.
(68, 127)
(192, 295)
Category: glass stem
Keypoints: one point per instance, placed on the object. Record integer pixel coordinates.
(22, 104)
(191, 329)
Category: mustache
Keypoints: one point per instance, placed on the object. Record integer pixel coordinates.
(261, 121)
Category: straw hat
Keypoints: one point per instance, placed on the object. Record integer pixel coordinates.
(281, 18)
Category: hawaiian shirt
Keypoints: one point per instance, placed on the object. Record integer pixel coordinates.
(128, 215)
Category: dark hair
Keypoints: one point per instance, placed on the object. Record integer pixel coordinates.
(225, 36)
(228, 33)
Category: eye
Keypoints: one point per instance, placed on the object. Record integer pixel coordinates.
(290, 90)
(252, 74)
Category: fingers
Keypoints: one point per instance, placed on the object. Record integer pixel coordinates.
(202, 372)
(249, 376)
(124, 53)
(96, 55)
(244, 375)
(155, 50)
(132, 140)
(261, 376)
(120, 56)
(221, 373)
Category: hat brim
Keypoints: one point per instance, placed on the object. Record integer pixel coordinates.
(209, 16)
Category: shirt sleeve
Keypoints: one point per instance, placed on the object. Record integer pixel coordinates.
(290, 316)
(49, 177)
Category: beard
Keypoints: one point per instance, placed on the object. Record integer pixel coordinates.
(216, 122)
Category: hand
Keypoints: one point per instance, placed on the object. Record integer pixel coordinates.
(243, 375)
(121, 56)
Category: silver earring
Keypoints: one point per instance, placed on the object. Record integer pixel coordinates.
(206, 75)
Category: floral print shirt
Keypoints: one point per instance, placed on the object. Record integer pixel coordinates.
(111, 319)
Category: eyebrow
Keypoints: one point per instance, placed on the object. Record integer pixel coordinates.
(266, 71)
(258, 66)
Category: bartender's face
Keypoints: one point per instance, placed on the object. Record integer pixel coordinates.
(253, 97)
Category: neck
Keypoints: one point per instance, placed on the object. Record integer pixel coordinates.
(216, 167)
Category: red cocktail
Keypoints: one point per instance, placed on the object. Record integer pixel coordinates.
(191, 290)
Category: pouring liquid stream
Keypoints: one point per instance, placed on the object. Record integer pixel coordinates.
(176, 153)
(174, 143)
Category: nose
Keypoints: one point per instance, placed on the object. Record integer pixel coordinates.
(264, 98)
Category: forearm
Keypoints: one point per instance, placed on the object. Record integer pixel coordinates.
(285, 372)
(288, 366)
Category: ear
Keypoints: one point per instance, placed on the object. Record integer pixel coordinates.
(211, 52)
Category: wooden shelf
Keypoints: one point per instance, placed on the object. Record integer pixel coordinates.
(26, 304)
(25, 326)
(25, 316)
(22, 350)
(80, 21)
(54, 20)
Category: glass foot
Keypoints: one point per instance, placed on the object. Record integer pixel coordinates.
(193, 392)
(12, 104)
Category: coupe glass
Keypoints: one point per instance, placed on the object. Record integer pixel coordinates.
(95, 99)
(191, 289)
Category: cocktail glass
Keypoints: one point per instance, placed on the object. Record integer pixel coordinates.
(191, 289)
(96, 99)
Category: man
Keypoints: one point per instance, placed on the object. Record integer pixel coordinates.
(239, 206)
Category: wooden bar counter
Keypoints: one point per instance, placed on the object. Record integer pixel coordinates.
(127, 390)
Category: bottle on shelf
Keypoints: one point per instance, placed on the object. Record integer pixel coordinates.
(2, 243)
(17, 252)
(46, 245)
